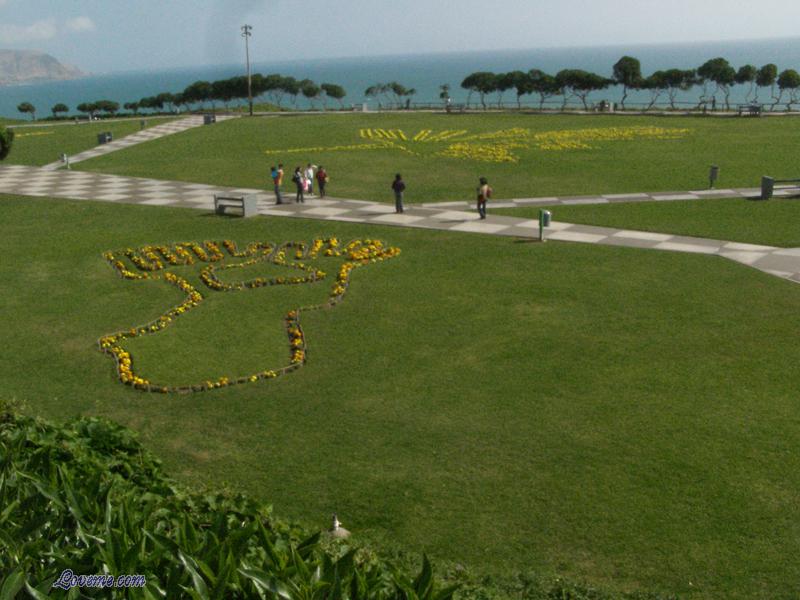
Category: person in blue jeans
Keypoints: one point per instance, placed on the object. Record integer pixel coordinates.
(398, 186)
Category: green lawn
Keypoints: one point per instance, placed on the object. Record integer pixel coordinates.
(42, 144)
(622, 417)
(775, 222)
(233, 153)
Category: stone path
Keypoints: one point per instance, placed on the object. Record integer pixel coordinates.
(79, 185)
(617, 198)
(151, 133)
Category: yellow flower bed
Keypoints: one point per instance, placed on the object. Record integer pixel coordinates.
(483, 152)
(495, 146)
(33, 133)
(150, 262)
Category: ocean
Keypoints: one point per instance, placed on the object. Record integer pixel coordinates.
(425, 72)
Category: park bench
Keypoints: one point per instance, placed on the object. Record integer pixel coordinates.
(768, 186)
(450, 108)
(248, 204)
(749, 110)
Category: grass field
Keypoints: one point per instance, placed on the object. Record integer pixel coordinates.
(627, 418)
(555, 154)
(42, 144)
(774, 223)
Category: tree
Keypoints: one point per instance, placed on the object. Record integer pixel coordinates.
(151, 102)
(168, 99)
(586, 83)
(542, 84)
(482, 82)
(223, 91)
(576, 82)
(6, 140)
(273, 88)
(178, 100)
(523, 84)
(334, 91)
(376, 91)
(292, 87)
(88, 107)
(767, 76)
(199, 92)
(134, 106)
(656, 84)
(27, 107)
(721, 73)
(107, 106)
(747, 74)
(676, 80)
(399, 92)
(444, 92)
(789, 81)
(310, 90)
(502, 83)
(59, 108)
(628, 74)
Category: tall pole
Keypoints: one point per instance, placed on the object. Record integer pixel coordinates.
(246, 33)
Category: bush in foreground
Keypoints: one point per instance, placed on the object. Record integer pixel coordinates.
(87, 497)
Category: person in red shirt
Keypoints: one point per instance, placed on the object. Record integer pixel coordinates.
(322, 179)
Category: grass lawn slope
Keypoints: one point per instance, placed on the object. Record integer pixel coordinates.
(774, 223)
(442, 155)
(43, 144)
(621, 417)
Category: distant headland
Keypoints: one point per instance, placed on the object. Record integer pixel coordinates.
(32, 66)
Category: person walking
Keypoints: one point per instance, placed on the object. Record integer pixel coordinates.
(310, 178)
(399, 186)
(322, 179)
(299, 181)
(277, 180)
(484, 193)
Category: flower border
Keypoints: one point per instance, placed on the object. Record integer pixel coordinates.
(151, 259)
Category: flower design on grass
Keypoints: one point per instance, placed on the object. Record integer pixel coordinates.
(495, 146)
(158, 262)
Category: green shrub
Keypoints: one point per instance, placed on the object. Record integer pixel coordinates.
(6, 139)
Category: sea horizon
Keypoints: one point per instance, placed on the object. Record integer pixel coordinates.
(425, 71)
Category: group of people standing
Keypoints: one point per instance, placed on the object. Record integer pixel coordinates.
(303, 180)
(399, 187)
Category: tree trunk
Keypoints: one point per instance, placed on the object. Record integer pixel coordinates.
(624, 96)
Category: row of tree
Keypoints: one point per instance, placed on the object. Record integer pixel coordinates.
(627, 72)
(276, 88)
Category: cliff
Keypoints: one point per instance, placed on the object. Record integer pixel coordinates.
(29, 66)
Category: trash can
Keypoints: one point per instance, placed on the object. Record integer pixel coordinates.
(104, 138)
(713, 175)
(767, 187)
(209, 119)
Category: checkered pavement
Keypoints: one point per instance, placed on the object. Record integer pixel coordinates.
(151, 133)
(616, 198)
(33, 181)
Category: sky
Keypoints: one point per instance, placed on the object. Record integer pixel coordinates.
(101, 36)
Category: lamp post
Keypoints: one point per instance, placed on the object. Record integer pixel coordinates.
(246, 33)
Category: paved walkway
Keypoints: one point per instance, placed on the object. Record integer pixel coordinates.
(617, 198)
(151, 133)
(34, 181)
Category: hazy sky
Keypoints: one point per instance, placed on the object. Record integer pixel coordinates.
(117, 35)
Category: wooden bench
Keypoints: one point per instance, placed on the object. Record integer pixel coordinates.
(247, 203)
(750, 110)
(768, 186)
(450, 108)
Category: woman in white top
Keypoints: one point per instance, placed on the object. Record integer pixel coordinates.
(309, 173)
